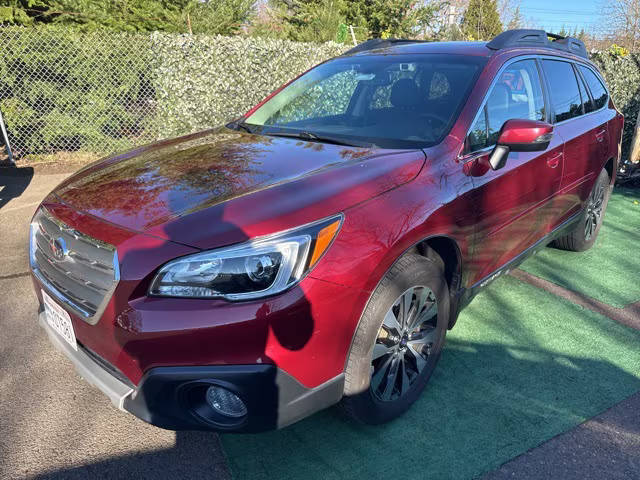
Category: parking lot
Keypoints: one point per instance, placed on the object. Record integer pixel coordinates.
(543, 351)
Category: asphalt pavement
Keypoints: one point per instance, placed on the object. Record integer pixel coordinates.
(54, 425)
(605, 447)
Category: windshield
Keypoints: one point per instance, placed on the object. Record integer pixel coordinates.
(392, 101)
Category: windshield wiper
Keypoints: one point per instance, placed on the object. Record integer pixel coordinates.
(240, 126)
(313, 137)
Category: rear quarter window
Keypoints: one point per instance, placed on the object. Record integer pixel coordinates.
(587, 105)
(598, 91)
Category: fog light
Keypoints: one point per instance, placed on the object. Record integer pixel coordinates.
(225, 402)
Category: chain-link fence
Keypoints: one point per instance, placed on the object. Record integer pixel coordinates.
(61, 91)
(100, 92)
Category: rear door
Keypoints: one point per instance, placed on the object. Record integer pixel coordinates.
(583, 130)
(512, 203)
(601, 115)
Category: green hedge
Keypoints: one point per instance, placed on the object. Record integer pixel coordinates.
(623, 79)
(100, 92)
(204, 81)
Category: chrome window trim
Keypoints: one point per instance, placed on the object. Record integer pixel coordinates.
(76, 309)
(544, 88)
(477, 153)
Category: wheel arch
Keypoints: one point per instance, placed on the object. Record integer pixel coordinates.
(434, 246)
(447, 249)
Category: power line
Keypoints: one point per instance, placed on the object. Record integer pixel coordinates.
(572, 12)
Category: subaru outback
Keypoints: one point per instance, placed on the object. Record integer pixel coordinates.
(316, 250)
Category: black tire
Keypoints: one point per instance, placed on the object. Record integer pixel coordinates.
(582, 237)
(411, 273)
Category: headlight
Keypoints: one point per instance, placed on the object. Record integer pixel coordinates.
(262, 267)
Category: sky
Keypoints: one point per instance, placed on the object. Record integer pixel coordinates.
(552, 15)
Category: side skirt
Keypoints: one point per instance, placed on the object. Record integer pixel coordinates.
(464, 296)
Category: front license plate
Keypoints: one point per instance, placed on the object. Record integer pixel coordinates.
(59, 320)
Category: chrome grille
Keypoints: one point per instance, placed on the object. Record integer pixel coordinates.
(79, 270)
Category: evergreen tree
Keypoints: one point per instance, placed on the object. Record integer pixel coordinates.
(211, 16)
(481, 20)
(220, 17)
(370, 18)
(582, 35)
(310, 20)
(392, 18)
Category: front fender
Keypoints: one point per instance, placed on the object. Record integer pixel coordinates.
(375, 234)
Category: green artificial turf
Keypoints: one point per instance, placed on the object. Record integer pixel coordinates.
(520, 367)
(610, 271)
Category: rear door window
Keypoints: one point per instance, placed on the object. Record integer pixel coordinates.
(517, 93)
(599, 93)
(563, 89)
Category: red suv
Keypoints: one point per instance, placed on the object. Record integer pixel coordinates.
(316, 250)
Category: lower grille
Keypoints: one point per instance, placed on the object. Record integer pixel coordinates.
(79, 270)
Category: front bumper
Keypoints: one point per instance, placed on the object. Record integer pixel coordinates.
(90, 370)
(165, 395)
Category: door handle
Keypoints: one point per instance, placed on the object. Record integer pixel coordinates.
(553, 162)
(600, 136)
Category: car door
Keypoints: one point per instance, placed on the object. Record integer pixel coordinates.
(583, 130)
(596, 125)
(596, 108)
(512, 203)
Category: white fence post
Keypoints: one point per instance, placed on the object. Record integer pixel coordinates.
(635, 143)
(5, 138)
(353, 35)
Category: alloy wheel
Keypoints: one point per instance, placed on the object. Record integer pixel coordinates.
(404, 343)
(595, 205)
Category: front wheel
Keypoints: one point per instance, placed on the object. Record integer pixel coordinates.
(584, 235)
(398, 341)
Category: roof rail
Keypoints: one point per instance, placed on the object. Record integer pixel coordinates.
(379, 43)
(538, 38)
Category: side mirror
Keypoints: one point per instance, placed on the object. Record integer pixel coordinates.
(520, 135)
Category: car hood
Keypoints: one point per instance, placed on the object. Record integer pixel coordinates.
(153, 189)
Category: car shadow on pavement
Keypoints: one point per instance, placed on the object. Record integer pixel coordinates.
(13, 182)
